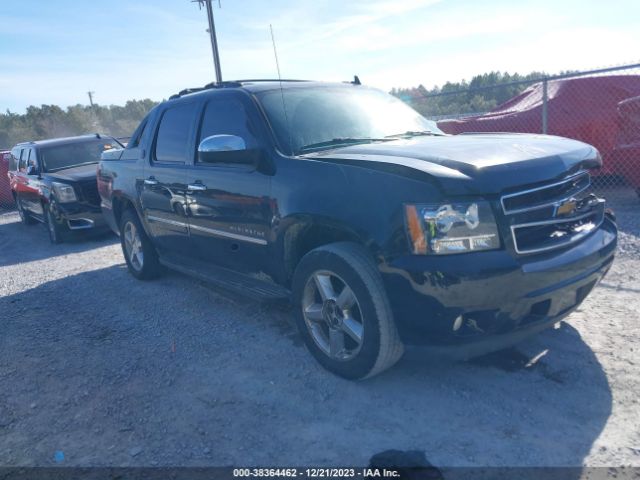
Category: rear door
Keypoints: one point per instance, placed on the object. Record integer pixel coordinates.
(229, 204)
(163, 193)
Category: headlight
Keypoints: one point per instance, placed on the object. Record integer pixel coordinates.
(64, 193)
(451, 228)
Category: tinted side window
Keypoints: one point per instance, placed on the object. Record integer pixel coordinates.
(13, 161)
(137, 135)
(31, 159)
(22, 163)
(227, 116)
(173, 137)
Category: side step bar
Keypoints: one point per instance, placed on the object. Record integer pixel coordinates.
(230, 280)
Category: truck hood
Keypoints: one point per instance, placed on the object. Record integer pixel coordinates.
(75, 174)
(473, 164)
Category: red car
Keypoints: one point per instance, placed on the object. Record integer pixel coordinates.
(626, 154)
(603, 111)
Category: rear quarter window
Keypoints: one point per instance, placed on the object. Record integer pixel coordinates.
(134, 141)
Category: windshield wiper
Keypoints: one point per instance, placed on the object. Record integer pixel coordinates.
(413, 133)
(341, 141)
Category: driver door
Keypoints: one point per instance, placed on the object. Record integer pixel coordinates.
(229, 202)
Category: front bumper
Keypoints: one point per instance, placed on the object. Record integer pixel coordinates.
(498, 296)
(78, 217)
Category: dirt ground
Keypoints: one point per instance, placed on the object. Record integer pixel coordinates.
(99, 369)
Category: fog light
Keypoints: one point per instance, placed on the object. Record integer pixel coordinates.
(457, 323)
(466, 244)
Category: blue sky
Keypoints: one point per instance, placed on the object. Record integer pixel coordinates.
(53, 52)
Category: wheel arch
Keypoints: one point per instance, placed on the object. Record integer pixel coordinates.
(122, 203)
(306, 233)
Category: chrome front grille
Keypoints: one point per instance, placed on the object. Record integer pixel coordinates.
(553, 215)
(545, 196)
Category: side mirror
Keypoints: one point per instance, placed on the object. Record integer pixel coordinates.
(225, 149)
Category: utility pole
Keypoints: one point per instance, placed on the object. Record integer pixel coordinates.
(92, 112)
(214, 40)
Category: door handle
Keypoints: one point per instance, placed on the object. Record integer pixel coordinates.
(196, 187)
(150, 181)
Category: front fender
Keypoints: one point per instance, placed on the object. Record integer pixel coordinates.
(363, 201)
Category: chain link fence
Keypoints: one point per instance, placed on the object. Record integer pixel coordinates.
(600, 107)
(6, 199)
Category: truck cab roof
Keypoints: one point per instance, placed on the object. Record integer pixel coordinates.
(261, 85)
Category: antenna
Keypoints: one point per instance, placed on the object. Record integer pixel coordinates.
(284, 105)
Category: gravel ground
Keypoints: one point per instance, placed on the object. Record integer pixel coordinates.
(113, 371)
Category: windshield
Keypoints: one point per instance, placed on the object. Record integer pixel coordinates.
(75, 154)
(323, 117)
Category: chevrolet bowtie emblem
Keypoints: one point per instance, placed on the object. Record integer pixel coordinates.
(566, 208)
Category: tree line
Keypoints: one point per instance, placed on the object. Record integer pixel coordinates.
(481, 94)
(50, 121)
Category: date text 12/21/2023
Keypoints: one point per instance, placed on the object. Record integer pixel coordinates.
(316, 472)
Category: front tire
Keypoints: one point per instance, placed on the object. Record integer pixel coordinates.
(54, 229)
(139, 253)
(25, 216)
(343, 313)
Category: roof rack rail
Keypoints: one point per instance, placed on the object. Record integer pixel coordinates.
(230, 84)
(355, 81)
(255, 80)
(186, 91)
(226, 83)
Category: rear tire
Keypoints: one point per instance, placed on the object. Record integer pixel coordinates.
(25, 216)
(140, 255)
(342, 311)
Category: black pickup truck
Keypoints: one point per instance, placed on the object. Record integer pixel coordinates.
(380, 229)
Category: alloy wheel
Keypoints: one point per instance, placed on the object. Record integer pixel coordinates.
(133, 246)
(51, 226)
(333, 316)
